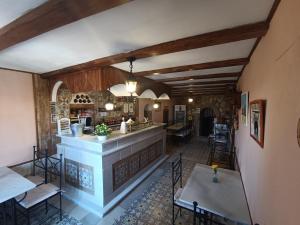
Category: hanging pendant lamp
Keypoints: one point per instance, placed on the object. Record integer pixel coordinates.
(131, 82)
(109, 105)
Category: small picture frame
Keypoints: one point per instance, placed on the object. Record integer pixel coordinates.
(257, 120)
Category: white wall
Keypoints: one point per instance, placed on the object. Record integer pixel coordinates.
(17, 117)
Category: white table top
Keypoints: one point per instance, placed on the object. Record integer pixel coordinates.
(12, 184)
(226, 198)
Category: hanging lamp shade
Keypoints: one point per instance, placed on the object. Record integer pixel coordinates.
(109, 105)
(131, 82)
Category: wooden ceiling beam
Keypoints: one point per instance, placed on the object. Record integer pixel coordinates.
(239, 33)
(200, 66)
(198, 94)
(50, 15)
(198, 77)
(206, 82)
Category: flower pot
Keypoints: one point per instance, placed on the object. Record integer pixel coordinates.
(102, 138)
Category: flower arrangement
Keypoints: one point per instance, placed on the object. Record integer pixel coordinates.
(215, 170)
(102, 130)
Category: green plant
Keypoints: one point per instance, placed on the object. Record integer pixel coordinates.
(102, 130)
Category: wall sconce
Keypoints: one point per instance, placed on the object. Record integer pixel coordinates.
(155, 105)
(190, 100)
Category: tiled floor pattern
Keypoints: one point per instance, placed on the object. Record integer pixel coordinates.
(150, 202)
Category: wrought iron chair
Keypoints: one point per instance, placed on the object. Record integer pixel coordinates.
(25, 203)
(39, 163)
(177, 181)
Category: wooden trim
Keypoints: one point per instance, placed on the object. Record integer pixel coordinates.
(268, 21)
(239, 33)
(21, 71)
(206, 82)
(198, 77)
(200, 66)
(273, 10)
(49, 16)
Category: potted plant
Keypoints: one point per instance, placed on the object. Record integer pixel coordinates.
(102, 131)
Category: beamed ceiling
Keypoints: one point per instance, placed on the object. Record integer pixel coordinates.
(195, 46)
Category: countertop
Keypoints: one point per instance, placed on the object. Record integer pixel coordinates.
(114, 136)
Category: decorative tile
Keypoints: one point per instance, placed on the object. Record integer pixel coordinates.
(79, 175)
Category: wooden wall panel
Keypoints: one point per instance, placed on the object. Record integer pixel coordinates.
(101, 79)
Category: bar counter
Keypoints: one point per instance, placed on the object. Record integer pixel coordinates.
(97, 175)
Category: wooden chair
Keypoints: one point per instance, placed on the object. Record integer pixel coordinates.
(27, 202)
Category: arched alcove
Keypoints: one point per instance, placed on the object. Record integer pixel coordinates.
(164, 96)
(55, 90)
(148, 93)
(148, 111)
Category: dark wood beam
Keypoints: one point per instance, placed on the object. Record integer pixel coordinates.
(198, 94)
(50, 15)
(205, 83)
(200, 66)
(207, 76)
(239, 33)
(199, 89)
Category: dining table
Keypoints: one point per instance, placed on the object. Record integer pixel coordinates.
(12, 184)
(225, 198)
(176, 127)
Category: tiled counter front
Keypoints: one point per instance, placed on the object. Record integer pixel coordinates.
(97, 175)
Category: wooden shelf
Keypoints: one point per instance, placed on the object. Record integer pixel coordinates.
(82, 106)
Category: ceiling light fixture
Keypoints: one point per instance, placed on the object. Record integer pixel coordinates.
(109, 105)
(131, 82)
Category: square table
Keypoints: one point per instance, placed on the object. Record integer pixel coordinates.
(12, 184)
(225, 198)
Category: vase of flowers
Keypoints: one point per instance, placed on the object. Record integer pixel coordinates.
(215, 171)
(102, 131)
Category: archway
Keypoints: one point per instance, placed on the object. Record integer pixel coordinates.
(206, 121)
(55, 90)
(148, 112)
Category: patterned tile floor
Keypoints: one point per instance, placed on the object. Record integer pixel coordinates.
(150, 203)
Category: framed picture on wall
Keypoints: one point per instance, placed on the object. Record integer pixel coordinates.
(257, 121)
(244, 107)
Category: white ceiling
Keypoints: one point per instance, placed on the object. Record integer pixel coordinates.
(229, 69)
(131, 26)
(201, 80)
(12, 9)
(233, 50)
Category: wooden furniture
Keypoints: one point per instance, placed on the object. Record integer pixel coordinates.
(12, 184)
(225, 198)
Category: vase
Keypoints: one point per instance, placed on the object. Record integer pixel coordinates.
(215, 178)
(102, 138)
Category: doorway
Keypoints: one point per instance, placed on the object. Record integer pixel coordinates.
(206, 121)
(166, 116)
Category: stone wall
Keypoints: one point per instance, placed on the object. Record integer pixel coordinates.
(222, 105)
